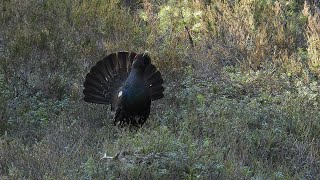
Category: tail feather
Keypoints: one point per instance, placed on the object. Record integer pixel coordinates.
(157, 96)
(150, 69)
(94, 90)
(107, 76)
(114, 62)
(94, 99)
(155, 78)
(94, 94)
(108, 63)
(131, 58)
(157, 89)
(155, 82)
(92, 81)
(104, 70)
(123, 61)
(157, 92)
(99, 76)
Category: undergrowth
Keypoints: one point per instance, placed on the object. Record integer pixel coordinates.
(241, 99)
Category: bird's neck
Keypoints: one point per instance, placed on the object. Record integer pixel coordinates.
(135, 92)
(135, 80)
(136, 73)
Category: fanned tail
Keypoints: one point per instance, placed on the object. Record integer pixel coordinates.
(155, 82)
(107, 76)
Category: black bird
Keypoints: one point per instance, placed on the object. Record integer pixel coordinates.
(129, 82)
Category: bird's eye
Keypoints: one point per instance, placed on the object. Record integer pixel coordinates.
(146, 60)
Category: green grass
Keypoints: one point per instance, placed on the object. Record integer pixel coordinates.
(243, 103)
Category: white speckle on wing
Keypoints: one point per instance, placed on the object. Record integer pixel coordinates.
(120, 94)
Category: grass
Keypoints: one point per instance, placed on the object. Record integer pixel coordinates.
(241, 102)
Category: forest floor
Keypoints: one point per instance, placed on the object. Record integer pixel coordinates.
(242, 93)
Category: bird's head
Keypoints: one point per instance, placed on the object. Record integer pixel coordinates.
(141, 61)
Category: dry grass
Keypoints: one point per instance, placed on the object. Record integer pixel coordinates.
(242, 95)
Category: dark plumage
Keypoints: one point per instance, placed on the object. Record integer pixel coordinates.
(129, 82)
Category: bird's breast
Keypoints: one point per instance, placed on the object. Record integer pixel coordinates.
(135, 99)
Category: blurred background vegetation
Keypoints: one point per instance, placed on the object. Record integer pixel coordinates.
(241, 101)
